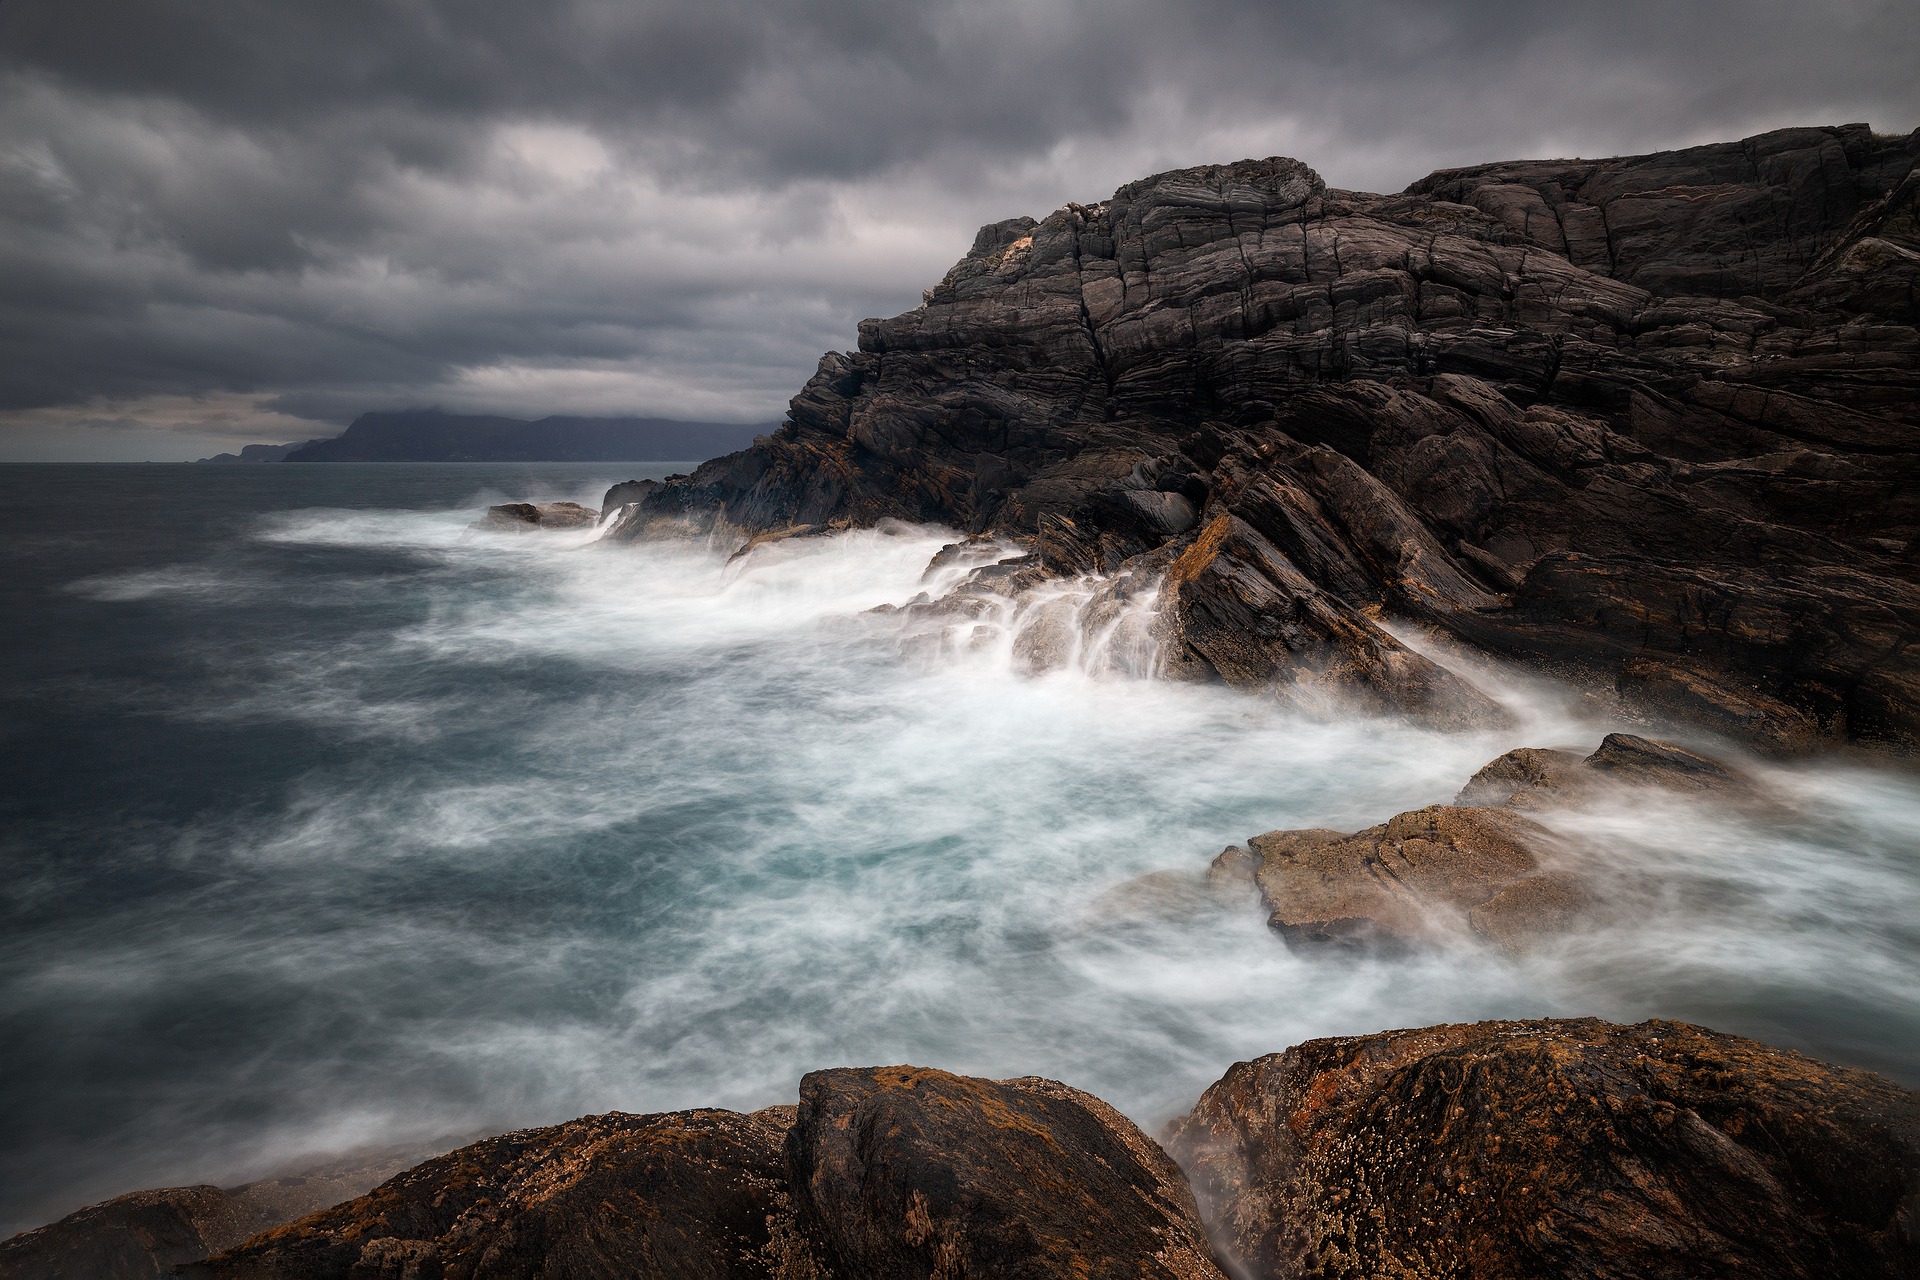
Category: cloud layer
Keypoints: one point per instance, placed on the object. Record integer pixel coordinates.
(251, 220)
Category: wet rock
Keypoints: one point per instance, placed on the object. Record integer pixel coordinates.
(903, 1171)
(1408, 879)
(625, 492)
(1652, 420)
(1573, 1148)
(1480, 863)
(1242, 609)
(1532, 778)
(519, 516)
(691, 1193)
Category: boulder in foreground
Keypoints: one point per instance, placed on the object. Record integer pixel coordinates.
(905, 1171)
(883, 1172)
(1565, 1148)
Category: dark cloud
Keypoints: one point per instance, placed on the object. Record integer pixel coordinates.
(606, 206)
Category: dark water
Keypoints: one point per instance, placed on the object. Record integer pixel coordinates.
(327, 822)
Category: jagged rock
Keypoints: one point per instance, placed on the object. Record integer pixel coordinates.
(131, 1237)
(1653, 420)
(690, 1193)
(626, 491)
(903, 1171)
(1577, 1149)
(1241, 608)
(518, 516)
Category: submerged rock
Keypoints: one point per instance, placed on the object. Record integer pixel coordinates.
(1573, 1148)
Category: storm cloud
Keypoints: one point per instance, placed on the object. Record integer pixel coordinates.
(253, 220)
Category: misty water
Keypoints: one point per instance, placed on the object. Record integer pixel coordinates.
(328, 823)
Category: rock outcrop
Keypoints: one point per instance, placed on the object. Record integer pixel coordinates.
(517, 517)
(1653, 422)
(880, 1172)
(1481, 863)
(1576, 1149)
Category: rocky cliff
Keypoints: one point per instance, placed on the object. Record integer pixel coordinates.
(1651, 421)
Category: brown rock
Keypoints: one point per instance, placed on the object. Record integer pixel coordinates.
(1577, 1149)
(907, 1172)
(690, 1193)
(1479, 861)
(1401, 882)
(1532, 778)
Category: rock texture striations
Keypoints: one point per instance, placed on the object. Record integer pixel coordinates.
(1652, 420)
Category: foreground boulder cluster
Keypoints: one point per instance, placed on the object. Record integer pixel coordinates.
(1502, 1149)
(1653, 422)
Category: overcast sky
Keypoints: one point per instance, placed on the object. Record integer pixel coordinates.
(251, 220)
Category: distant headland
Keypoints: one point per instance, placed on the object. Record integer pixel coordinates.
(432, 435)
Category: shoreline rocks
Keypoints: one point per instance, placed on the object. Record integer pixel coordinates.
(1564, 1147)
(1651, 422)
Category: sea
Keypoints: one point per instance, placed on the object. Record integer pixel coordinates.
(329, 821)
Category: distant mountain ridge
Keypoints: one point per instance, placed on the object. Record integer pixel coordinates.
(431, 435)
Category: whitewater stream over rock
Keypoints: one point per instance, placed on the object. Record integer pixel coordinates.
(335, 823)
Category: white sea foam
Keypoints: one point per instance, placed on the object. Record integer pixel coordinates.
(650, 829)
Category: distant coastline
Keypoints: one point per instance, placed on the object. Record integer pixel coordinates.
(431, 435)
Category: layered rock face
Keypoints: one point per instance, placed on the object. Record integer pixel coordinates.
(1654, 421)
(1572, 1148)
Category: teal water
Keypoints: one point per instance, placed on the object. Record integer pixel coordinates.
(327, 821)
